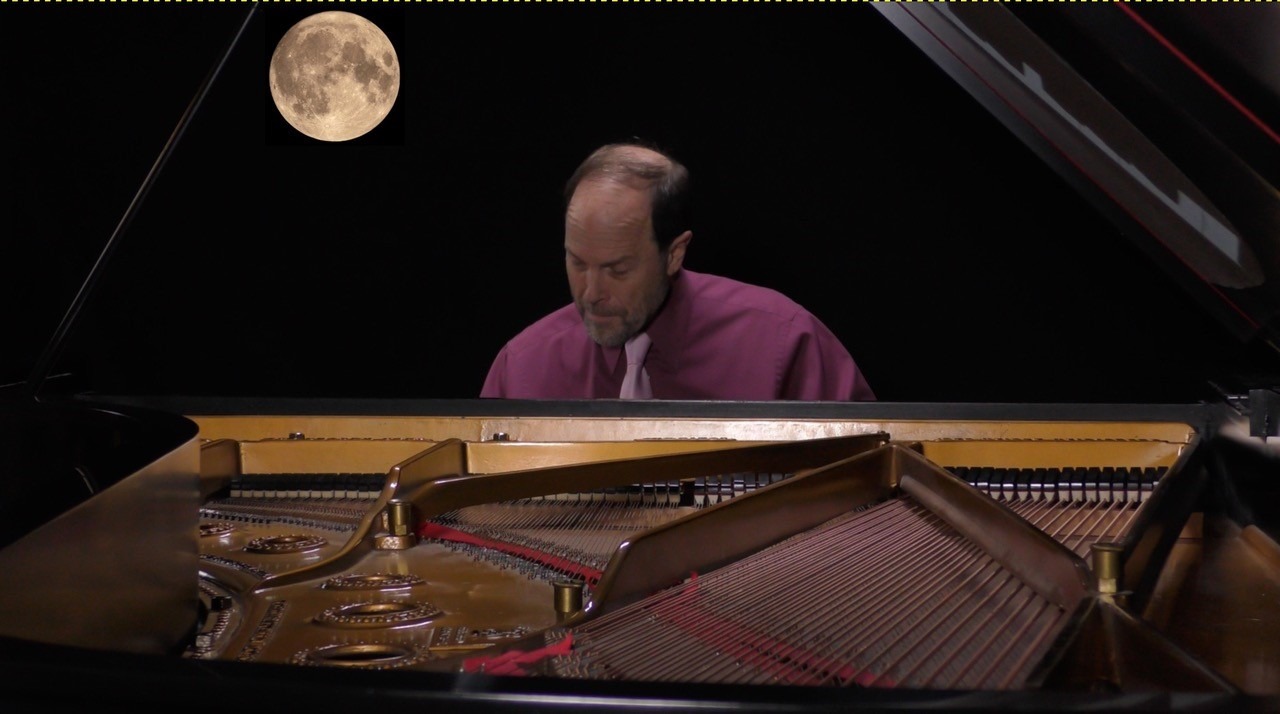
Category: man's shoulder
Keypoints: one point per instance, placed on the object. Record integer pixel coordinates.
(739, 296)
(549, 331)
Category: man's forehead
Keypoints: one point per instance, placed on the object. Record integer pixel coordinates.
(605, 248)
(609, 209)
(608, 245)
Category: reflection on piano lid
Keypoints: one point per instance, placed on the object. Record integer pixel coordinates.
(1183, 160)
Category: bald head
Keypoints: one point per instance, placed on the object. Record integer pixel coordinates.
(636, 166)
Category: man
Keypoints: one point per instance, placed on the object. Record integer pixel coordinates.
(707, 337)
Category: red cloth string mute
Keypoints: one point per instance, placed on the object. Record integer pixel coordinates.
(512, 661)
(438, 532)
(787, 662)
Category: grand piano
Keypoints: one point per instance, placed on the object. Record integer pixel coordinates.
(245, 471)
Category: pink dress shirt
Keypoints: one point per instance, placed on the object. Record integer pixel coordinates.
(714, 339)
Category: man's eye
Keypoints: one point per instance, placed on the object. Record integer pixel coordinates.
(617, 272)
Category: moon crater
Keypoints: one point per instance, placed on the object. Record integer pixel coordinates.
(334, 76)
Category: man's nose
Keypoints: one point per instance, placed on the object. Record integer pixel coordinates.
(593, 287)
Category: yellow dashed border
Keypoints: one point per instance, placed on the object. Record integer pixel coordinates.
(591, 2)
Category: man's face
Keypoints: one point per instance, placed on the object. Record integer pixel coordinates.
(617, 275)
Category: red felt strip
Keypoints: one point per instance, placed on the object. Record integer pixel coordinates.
(438, 532)
(788, 662)
(511, 662)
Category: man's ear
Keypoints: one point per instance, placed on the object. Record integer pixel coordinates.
(675, 252)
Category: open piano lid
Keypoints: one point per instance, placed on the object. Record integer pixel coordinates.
(1165, 117)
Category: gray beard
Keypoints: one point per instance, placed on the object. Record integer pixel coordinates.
(633, 324)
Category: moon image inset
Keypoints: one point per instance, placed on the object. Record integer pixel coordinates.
(334, 76)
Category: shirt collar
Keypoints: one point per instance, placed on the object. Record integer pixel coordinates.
(668, 326)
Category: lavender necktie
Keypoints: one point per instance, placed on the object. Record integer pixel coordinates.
(635, 385)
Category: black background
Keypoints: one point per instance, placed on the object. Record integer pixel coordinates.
(831, 159)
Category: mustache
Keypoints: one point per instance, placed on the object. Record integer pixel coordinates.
(588, 310)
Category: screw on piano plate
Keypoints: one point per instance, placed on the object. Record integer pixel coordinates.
(500, 436)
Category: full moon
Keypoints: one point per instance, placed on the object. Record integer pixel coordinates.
(334, 76)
